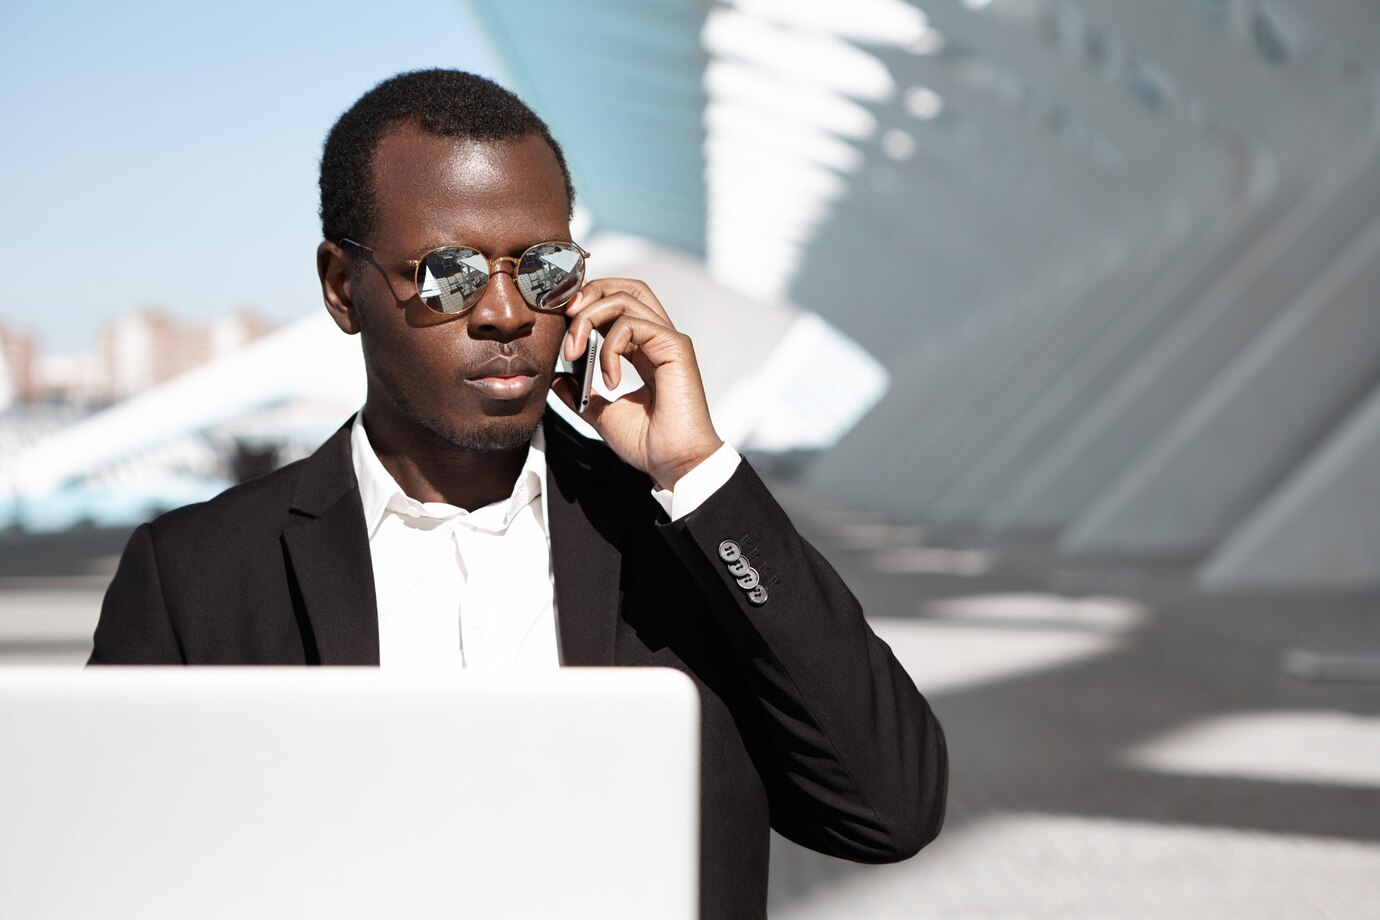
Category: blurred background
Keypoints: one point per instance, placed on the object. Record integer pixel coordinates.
(1055, 323)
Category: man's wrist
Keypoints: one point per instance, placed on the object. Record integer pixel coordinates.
(667, 477)
(697, 485)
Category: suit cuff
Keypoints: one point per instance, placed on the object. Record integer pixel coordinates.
(696, 486)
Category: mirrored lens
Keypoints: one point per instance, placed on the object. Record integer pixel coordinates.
(451, 280)
(550, 274)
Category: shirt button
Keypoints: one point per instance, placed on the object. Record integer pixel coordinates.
(729, 551)
(750, 580)
(757, 596)
(739, 568)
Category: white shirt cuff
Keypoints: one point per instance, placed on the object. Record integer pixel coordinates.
(695, 487)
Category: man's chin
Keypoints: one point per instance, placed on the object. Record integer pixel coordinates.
(490, 434)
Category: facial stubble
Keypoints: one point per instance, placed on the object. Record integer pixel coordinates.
(491, 433)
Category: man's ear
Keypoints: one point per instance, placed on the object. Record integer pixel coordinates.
(333, 268)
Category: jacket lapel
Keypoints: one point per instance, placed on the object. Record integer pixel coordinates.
(330, 558)
(585, 559)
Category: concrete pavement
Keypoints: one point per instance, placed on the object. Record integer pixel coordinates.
(1120, 745)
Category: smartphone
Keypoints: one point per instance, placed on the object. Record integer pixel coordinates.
(582, 369)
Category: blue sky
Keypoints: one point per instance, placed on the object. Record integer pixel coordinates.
(166, 153)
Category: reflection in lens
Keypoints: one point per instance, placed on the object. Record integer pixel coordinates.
(550, 274)
(450, 280)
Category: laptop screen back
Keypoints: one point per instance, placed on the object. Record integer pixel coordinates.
(341, 793)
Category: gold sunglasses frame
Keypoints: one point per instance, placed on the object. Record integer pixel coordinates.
(416, 266)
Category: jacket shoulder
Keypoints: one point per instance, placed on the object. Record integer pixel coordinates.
(309, 484)
(262, 498)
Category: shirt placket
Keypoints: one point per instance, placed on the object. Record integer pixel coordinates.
(470, 645)
(484, 603)
(473, 548)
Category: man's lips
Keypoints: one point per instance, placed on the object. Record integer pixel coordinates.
(504, 377)
(504, 387)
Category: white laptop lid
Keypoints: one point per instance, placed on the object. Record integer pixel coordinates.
(229, 792)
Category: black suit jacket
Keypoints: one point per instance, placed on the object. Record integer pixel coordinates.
(809, 723)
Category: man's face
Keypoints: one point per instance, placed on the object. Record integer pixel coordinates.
(436, 372)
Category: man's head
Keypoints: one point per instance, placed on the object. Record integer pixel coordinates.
(446, 103)
(424, 160)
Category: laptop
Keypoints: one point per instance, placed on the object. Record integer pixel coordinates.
(341, 793)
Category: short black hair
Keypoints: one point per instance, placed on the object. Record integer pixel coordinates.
(448, 103)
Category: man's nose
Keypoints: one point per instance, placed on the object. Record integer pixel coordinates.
(501, 313)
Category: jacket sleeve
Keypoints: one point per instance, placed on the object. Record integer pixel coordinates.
(861, 764)
(134, 627)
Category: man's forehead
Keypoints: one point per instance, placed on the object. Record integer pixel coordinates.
(432, 181)
(407, 152)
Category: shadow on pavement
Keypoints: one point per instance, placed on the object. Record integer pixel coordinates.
(1053, 742)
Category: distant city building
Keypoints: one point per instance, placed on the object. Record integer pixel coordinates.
(147, 346)
(17, 354)
(141, 349)
(78, 381)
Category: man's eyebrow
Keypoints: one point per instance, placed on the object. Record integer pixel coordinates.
(422, 250)
(428, 247)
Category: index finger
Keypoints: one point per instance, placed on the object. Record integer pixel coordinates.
(603, 287)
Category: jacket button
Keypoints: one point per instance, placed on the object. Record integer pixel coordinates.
(729, 551)
(757, 596)
(739, 568)
(750, 580)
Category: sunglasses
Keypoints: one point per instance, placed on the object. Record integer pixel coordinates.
(451, 279)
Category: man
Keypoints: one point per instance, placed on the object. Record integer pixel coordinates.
(456, 523)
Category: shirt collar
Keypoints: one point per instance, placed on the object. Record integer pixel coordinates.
(380, 493)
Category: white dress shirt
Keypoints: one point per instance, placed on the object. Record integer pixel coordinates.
(475, 590)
